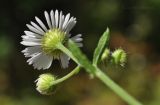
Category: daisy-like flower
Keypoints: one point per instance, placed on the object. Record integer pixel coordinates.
(41, 40)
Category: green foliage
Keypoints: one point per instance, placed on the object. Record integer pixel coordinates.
(100, 47)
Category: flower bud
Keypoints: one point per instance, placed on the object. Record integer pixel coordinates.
(105, 55)
(119, 57)
(45, 84)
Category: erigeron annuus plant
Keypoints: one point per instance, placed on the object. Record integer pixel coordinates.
(46, 43)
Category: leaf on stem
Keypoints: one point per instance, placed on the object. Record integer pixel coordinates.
(103, 41)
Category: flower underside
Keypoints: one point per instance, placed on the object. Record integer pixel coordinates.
(41, 41)
(51, 39)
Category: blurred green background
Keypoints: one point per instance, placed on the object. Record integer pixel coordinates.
(134, 26)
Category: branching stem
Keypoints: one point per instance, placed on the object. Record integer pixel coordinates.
(99, 74)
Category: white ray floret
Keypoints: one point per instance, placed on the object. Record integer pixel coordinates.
(36, 26)
(31, 34)
(39, 35)
(41, 23)
(48, 19)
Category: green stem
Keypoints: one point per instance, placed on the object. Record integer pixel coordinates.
(66, 51)
(116, 88)
(73, 72)
(104, 78)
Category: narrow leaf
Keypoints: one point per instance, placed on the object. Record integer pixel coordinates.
(103, 41)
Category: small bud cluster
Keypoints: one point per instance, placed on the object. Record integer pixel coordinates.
(118, 57)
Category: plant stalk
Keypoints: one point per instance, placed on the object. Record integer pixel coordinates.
(116, 88)
(104, 78)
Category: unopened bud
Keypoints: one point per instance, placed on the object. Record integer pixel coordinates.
(119, 57)
(45, 84)
(105, 55)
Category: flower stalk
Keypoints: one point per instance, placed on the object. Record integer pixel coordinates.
(73, 72)
(46, 83)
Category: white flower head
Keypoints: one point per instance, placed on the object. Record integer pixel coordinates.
(41, 40)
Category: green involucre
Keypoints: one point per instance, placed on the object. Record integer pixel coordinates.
(51, 39)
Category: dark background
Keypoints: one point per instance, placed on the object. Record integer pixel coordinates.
(134, 25)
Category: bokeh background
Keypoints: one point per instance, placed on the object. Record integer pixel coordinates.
(134, 26)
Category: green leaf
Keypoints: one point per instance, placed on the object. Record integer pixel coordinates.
(100, 47)
(81, 58)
